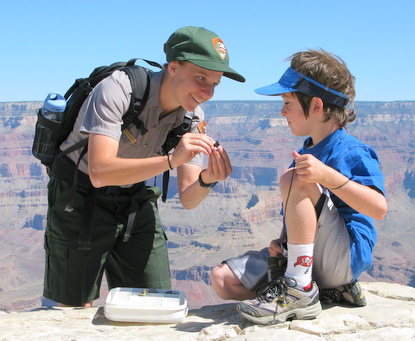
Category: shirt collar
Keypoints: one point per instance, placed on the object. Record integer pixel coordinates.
(324, 142)
(154, 98)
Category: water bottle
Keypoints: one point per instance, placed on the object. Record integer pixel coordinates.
(48, 128)
(54, 107)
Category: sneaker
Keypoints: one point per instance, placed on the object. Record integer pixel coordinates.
(350, 293)
(281, 301)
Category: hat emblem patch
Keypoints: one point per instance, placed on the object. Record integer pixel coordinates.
(220, 47)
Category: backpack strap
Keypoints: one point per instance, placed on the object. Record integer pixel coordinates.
(139, 83)
(140, 89)
(69, 206)
(172, 140)
(79, 144)
(133, 60)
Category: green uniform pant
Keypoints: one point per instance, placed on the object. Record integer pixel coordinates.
(98, 221)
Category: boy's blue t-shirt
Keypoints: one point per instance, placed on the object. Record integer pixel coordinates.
(359, 162)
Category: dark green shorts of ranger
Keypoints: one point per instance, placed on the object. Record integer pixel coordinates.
(80, 245)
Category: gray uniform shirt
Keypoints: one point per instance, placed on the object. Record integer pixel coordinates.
(102, 112)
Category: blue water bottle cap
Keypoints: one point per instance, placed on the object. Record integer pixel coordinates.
(55, 102)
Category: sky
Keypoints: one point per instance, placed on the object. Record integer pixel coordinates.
(45, 45)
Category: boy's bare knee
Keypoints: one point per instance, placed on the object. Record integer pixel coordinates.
(227, 285)
(291, 185)
(218, 277)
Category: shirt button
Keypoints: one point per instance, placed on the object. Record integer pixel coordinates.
(155, 126)
(145, 145)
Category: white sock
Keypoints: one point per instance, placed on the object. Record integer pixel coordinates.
(300, 264)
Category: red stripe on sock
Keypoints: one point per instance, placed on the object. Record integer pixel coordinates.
(308, 287)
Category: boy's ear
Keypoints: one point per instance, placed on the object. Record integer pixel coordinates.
(317, 105)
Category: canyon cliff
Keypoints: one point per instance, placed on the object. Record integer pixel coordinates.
(241, 213)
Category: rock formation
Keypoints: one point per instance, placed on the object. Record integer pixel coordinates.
(389, 315)
(241, 213)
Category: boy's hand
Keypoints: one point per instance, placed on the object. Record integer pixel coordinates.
(274, 248)
(309, 168)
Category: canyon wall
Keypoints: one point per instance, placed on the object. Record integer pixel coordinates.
(240, 214)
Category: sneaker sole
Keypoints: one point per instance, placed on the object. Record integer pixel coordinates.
(307, 313)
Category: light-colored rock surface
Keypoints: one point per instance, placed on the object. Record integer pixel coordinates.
(389, 315)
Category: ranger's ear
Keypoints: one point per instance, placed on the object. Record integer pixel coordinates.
(172, 67)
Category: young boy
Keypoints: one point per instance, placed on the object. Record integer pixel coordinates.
(331, 193)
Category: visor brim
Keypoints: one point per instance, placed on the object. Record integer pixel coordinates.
(273, 90)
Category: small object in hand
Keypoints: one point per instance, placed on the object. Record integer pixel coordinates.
(216, 144)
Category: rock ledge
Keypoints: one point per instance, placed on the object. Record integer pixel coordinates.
(389, 315)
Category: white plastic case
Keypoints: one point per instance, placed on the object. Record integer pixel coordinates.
(145, 305)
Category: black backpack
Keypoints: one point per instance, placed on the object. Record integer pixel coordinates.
(49, 135)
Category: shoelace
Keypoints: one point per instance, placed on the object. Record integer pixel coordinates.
(276, 289)
(332, 295)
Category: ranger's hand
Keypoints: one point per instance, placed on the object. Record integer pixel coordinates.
(219, 166)
(189, 146)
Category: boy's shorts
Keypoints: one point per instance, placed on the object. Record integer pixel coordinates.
(331, 261)
(73, 275)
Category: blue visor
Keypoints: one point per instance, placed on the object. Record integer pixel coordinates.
(292, 81)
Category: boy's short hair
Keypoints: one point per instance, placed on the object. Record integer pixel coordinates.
(317, 73)
(331, 71)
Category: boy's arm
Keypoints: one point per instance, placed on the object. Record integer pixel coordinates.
(361, 198)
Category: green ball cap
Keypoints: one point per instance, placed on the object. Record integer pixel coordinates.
(200, 47)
